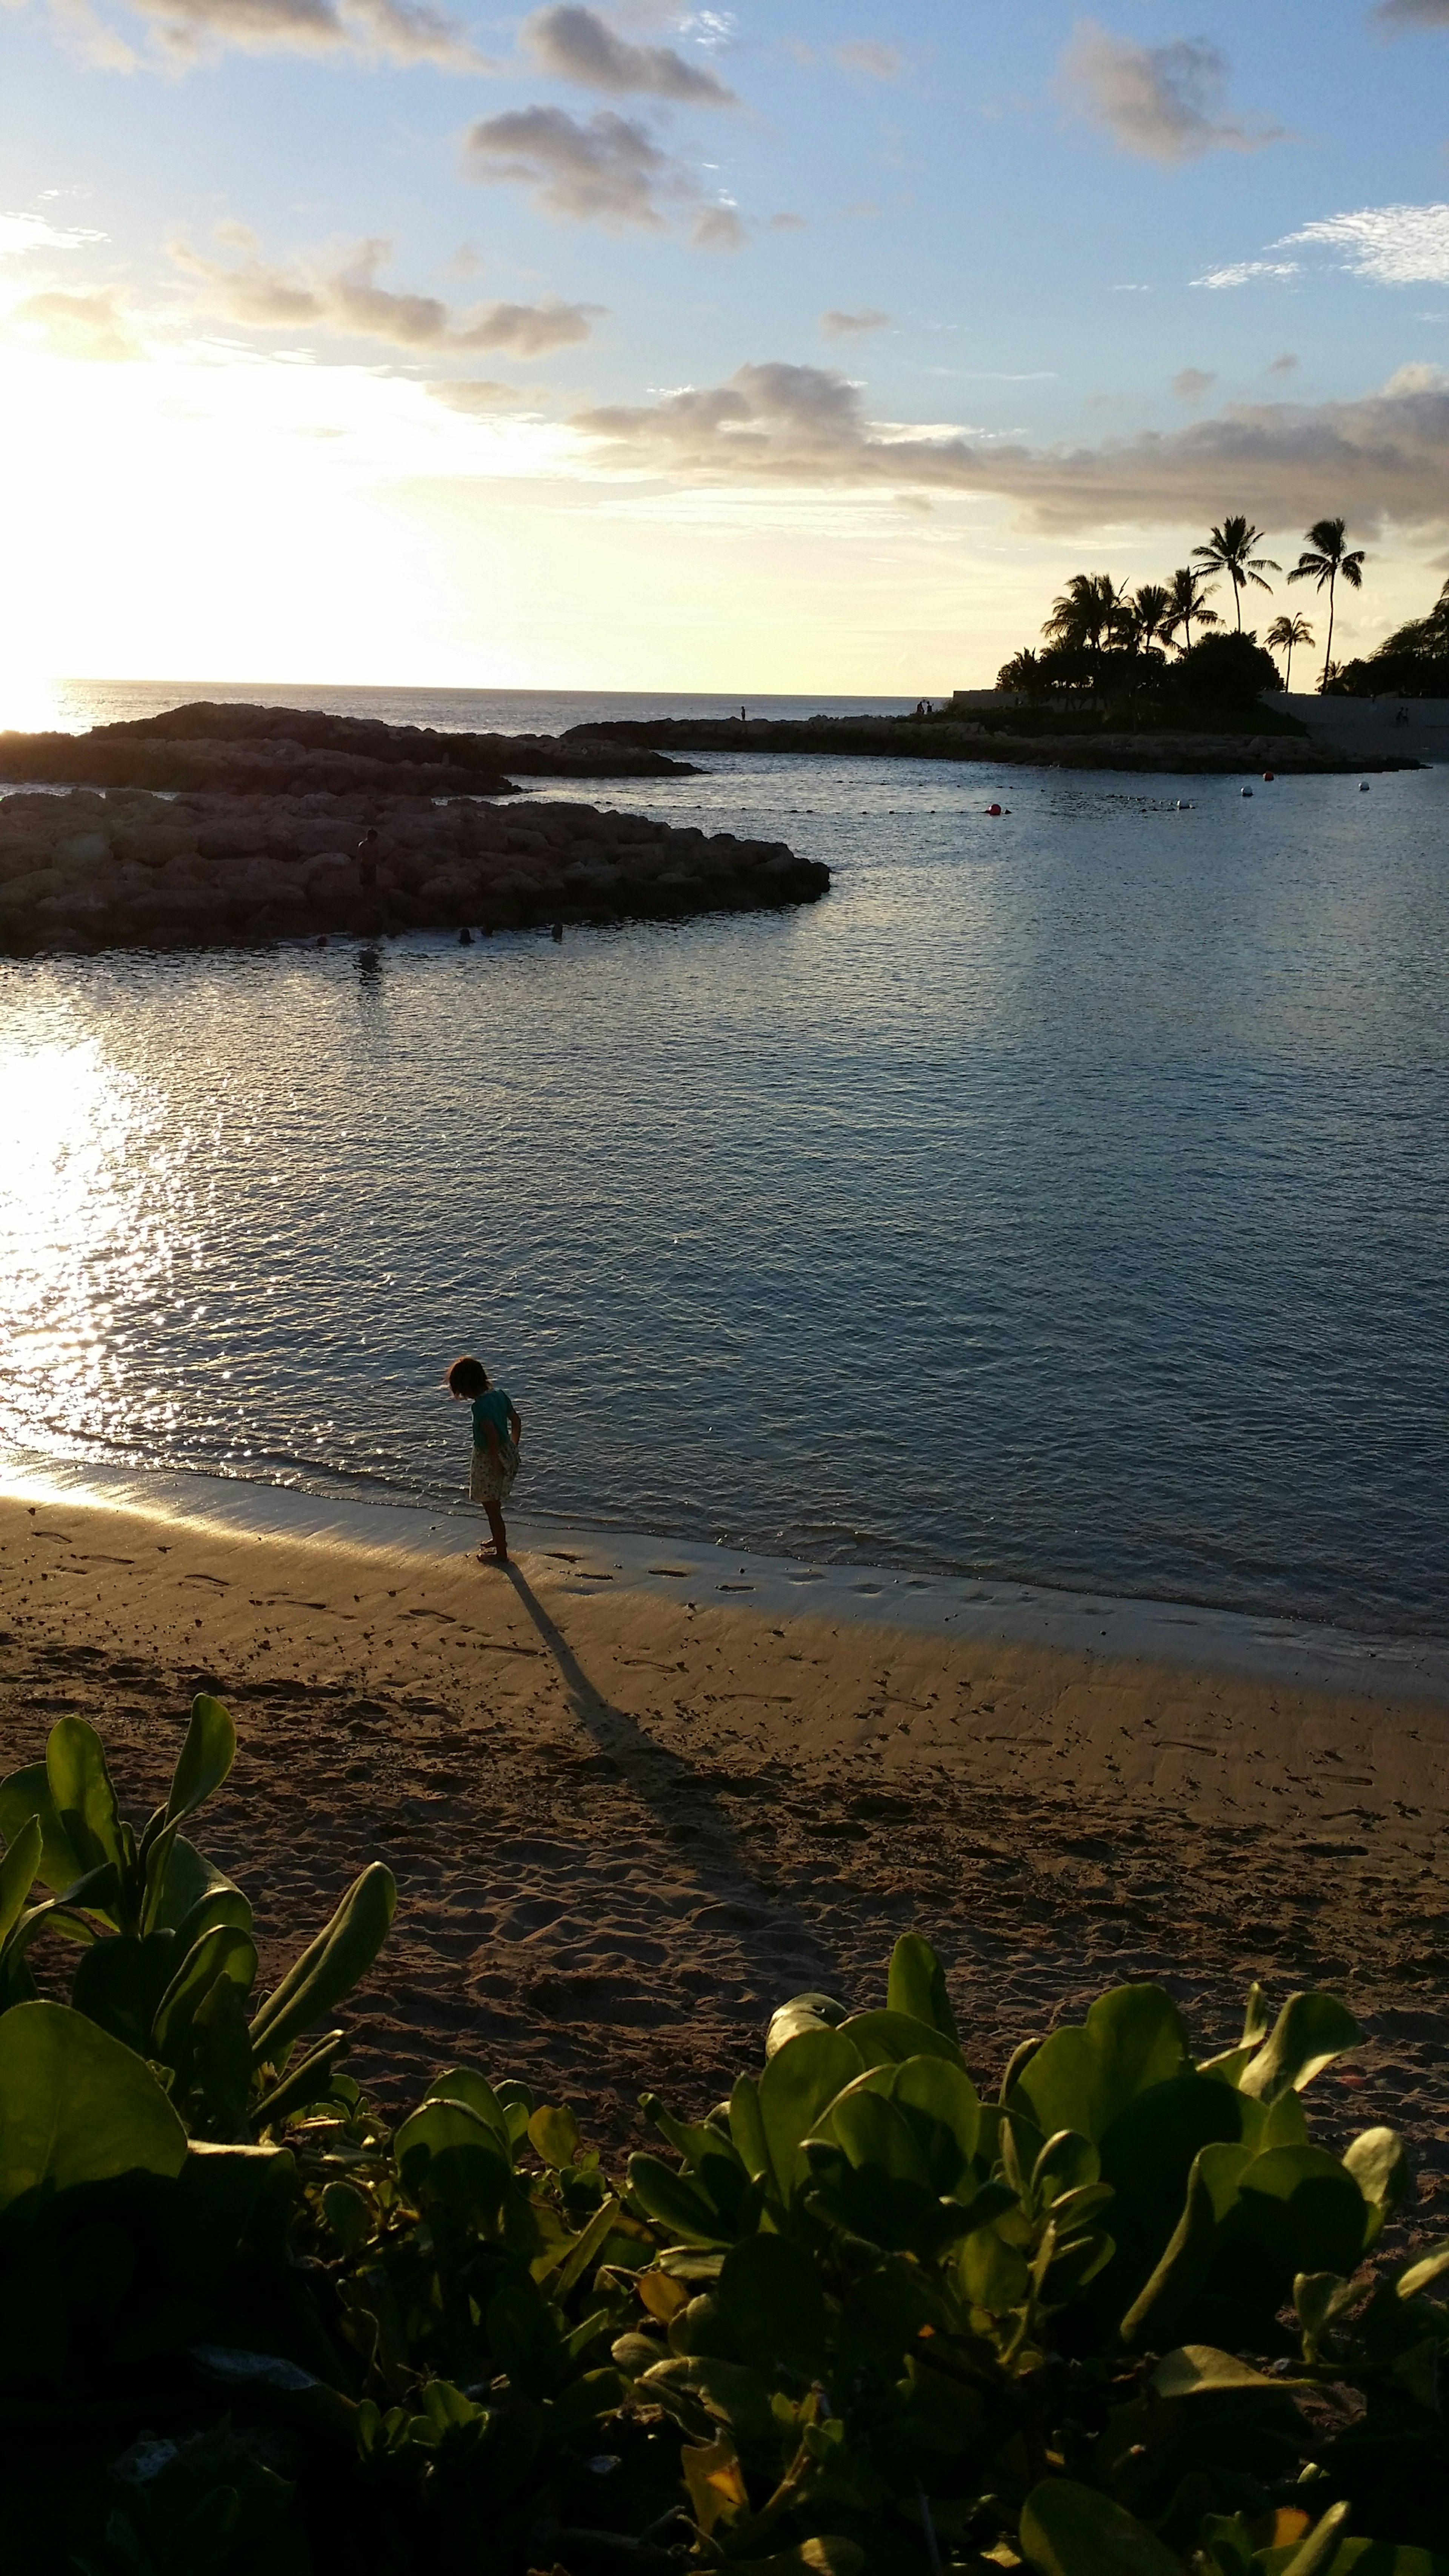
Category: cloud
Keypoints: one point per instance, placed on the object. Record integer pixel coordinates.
(878, 62)
(90, 325)
(1284, 365)
(605, 171)
(20, 233)
(787, 223)
(1400, 17)
(1392, 245)
(576, 44)
(717, 228)
(1383, 454)
(836, 325)
(1242, 272)
(402, 31)
(350, 303)
(1191, 384)
(477, 396)
(1159, 101)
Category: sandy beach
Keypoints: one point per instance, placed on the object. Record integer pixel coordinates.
(625, 1826)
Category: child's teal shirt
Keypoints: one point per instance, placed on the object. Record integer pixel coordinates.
(494, 1407)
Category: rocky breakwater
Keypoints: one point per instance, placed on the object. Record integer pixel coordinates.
(82, 872)
(276, 751)
(1233, 752)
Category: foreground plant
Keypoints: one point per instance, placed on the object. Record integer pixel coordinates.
(168, 1962)
(1124, 2319)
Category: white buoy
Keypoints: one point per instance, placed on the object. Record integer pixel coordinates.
(1245, 791)
(1363, 787)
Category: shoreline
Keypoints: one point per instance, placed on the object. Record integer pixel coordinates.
(626, 1826)
(665, 1568)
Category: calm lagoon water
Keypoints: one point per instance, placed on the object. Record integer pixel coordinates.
(1064, 1197)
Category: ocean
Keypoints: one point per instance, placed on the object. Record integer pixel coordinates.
(1063, 1198)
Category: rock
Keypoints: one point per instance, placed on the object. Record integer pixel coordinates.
(133, 870)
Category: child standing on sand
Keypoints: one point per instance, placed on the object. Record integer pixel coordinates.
(497, 1431)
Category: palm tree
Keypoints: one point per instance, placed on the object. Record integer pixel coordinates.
(1151, 609)
(1086, 612)
(1229, 549)
(1281, 637)
(1185, 606)
(1321, 562)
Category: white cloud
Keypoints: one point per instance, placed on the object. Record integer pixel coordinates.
(1192, 384)
(878, 62)
(1159, 101)
(1393, 245)
(605, 171)
(717, 228)
(401, 31)
(1242, 272)
(348, 302)
(477, 396)
(836, 325)
(1400, 16)
(91, 325)
(576, 44)
(1382, 455)
(19, 233)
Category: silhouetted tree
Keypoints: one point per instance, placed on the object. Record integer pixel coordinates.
(1323, 559)
(1229, 549)
(1186, 594)
(1282, 636)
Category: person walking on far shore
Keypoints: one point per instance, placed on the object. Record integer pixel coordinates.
(497, 1432)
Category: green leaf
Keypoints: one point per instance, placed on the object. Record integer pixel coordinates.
(1379, 2166)
(120, 1982)
(941, 2108)
(1302, 2213)
(348, 2215)
(308, 2079)
(190, 1883)
(1084, 2079)
(676, 2202)
(1430, 2267)
(17, 1874)
(76, 2106)
(802, 2013)
(1310, 2031)
(888, 2038)
(801, 2079)
(917, 1987)
(464, 2084)
(329, 1968)
(1068, 2163)
(206, 1758)
(1200, 2370)
(1320, 2544)
(554, 2135)
(447, 2151)
(1212, 2190)
(224, 1952)
(1070, 2530)
(747, 2130)
(992, 2274)
(524, 2339)
(725, 2390)
(1319, 2297)
(25, 1794)
(85, 1801)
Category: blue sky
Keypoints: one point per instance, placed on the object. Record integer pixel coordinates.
(789, 347)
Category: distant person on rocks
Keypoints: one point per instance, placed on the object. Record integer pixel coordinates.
(367, 863)
(497, 1432)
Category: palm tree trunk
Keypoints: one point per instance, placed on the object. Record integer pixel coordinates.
(1328, 655)
(1238, 603)
(1288, 675)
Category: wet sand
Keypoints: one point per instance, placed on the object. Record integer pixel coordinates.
(625, 1825)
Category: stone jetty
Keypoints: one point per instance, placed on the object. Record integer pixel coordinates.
(1052, 744)
(83, 871)
(269, 751)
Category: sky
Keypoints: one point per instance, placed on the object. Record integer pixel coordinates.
(801, 346)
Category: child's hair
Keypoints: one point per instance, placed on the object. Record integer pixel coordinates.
(468, 1377)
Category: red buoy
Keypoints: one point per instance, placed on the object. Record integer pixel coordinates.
(1267, 777)
(993, 809)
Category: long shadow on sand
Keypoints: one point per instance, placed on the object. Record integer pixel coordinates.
(685, 1801)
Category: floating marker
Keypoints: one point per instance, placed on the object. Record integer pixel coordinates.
(993, 809)
(1245, 791)
(1363, 787)
(1267, 777)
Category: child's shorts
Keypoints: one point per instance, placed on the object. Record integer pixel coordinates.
(490, 1484)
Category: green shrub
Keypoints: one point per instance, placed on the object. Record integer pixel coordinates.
(1124, 2319)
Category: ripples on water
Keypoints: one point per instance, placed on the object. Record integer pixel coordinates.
(1064, 1196)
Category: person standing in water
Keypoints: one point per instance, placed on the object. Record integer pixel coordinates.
(497, 1432)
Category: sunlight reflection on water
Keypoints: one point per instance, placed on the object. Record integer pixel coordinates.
(1064, 1196)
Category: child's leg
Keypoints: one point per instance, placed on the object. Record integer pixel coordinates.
(500, 1533)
